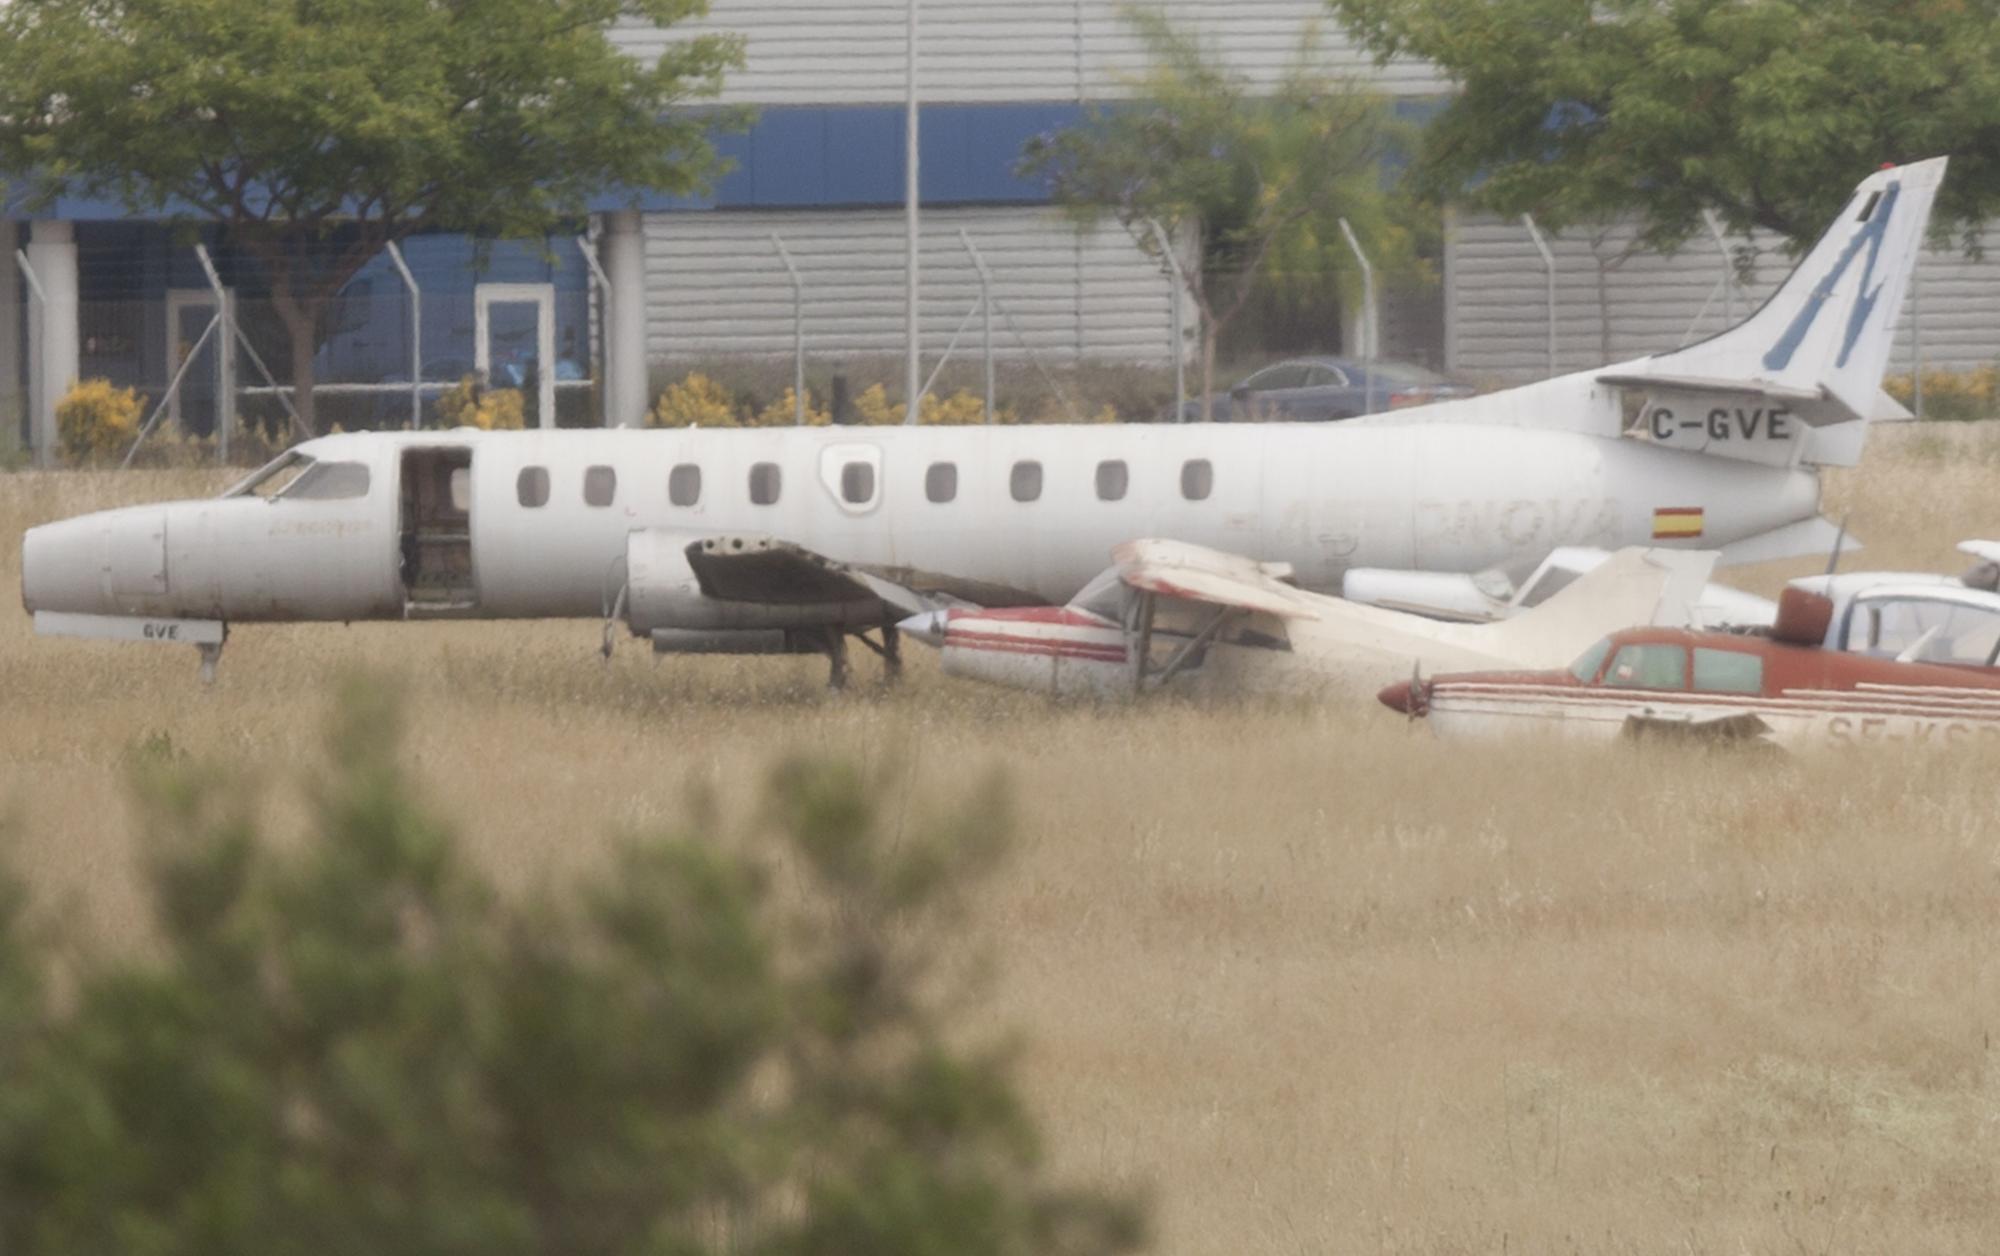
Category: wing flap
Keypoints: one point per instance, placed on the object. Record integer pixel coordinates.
(1199, 574)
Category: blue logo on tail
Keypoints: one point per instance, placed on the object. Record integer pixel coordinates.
(1871, 234)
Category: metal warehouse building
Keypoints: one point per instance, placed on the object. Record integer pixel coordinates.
(818, 178)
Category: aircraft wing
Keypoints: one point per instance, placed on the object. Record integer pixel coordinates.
(764, 571)
(1196, 573)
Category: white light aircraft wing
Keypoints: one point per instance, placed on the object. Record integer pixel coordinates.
(1196, 573)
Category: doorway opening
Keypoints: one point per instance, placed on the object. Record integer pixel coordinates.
(436, 515)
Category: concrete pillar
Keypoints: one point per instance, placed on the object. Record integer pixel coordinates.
(12, 377)
(624, 247)
(52, 253)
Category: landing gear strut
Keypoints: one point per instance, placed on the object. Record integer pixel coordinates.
(889, 650)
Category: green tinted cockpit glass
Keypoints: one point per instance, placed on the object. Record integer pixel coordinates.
(1585, 668)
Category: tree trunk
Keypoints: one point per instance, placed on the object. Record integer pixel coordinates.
(299, 323)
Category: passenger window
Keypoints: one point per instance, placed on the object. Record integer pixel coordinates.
(600, 485)
(941, 481)
(1025, 482)
(1112, 481)
(684, 484)
(329, 481)
(1197, 479)
(765, 484)
(1648, 667)
(857, 483)
(531, 487)
(459, 487)
(1728, 671)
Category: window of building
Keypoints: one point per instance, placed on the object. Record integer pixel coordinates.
(941, 481)
(600, 486)
(1648, 667)
(1728, 671)
(1025, 481)
(857, 483)
(329, 481)
(766, 482)
(531, 487)
(1112, 481)
(684, 484)
(1197, 479)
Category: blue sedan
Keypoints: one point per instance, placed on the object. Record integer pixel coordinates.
(1321, 388)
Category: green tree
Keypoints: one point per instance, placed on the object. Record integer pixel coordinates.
(356, 1045)
(1255, 178)
(318, 131)
(1767, 112)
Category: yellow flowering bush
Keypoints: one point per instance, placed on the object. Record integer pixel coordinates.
(696, 401)
(784, 412)
(96, 422)
(498, 409)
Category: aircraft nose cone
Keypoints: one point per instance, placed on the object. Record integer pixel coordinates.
(59, 571)
(927, 627)
(1397, 697)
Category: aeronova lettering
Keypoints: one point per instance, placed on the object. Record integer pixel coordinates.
(1726, 423)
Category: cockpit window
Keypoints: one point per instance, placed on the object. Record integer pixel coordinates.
(328, 481)
(1928, 630)
(1585, 668)
(1648, 667)
(273, 478)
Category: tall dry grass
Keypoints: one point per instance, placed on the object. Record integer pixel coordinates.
(1325, 984)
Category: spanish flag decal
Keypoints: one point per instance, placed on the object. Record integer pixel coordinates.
(1675, 523)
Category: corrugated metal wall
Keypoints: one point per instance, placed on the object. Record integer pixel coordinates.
(1613, 303)
(716, 286)
(852, 52)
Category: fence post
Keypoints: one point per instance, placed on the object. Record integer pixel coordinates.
(798, 332)
(912, 314)
(985, 311)
(1714, 222)
(225, 361)
(416, 337)
(1549, 265)
(1917, 337)
(33, 401)
(1370, 349)
(1179, 332)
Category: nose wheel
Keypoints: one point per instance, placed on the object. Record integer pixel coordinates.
(211, 654)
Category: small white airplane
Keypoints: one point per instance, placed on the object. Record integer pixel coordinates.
(1203, 622)
(793, 540)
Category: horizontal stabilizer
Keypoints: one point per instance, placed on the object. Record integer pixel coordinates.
(1808, 538)
(1705, 384)
(765, 572)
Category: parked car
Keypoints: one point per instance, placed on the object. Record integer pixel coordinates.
(1322, 388)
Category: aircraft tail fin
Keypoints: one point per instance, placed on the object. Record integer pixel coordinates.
(1813, 356)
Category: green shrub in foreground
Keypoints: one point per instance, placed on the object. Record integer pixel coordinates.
(356, 1046)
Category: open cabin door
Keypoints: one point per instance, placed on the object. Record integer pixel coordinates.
(435, 517)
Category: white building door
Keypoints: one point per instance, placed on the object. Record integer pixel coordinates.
(205, 402)
(514, 340)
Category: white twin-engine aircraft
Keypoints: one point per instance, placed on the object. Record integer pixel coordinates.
(793, 540)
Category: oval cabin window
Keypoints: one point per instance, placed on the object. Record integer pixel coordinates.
(600, 486)
(766, 481)
(1197, 479)
(684, 484)
(531, 487)
(1112, 480)
(1025, 481)
(941, 481)
(857, 483)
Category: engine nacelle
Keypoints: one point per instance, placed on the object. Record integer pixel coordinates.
(663, 593)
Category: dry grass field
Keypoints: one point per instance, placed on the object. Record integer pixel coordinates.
(1318, 982)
